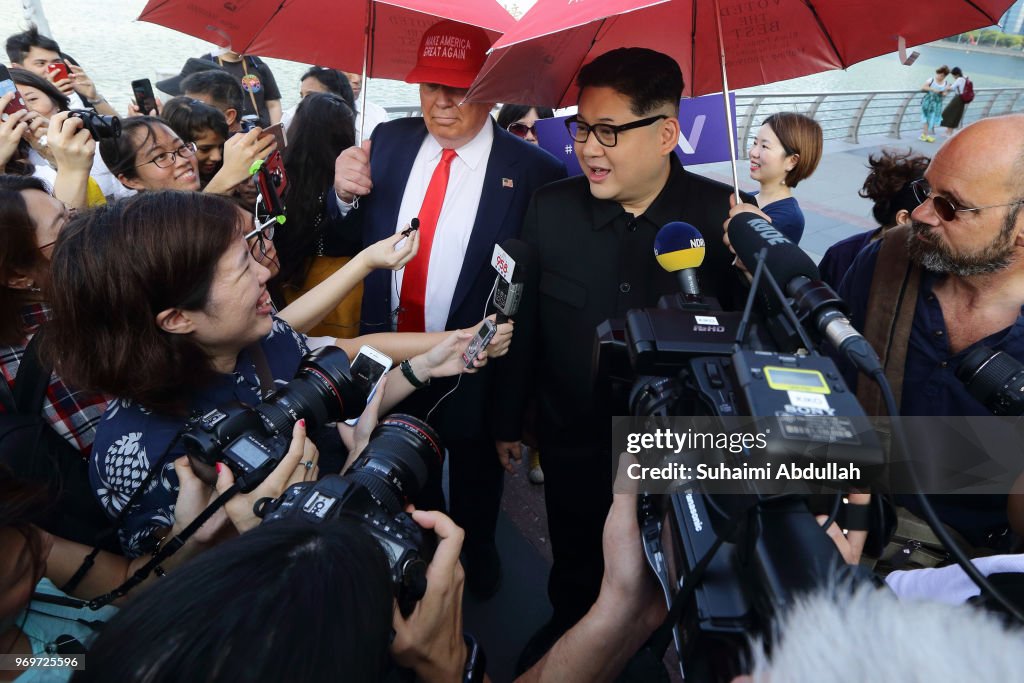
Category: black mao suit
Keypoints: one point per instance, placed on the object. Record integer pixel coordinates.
(595, 262)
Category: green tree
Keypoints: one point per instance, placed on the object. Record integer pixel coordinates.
(989, 36)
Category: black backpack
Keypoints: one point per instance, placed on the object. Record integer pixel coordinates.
(34, 451)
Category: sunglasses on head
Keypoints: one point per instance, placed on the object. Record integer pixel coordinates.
(521, 130)
(945, 208)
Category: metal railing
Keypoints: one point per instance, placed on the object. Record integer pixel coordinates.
(847, 115)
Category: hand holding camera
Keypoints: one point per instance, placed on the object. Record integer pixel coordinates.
(298, 465)
(71, 143)
(429, 640)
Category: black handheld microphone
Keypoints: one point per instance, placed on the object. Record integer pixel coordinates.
(799, 277)
(513, 260)
(679, 248)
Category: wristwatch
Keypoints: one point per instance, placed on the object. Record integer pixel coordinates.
(476, 661)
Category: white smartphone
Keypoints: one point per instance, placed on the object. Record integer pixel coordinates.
(367, 369)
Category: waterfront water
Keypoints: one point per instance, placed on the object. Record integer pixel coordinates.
(104, 36)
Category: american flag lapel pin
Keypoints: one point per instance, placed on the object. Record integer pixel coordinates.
(507, 182)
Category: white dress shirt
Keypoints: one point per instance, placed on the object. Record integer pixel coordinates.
(454, 225)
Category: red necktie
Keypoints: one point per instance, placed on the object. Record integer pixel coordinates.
(414, 281)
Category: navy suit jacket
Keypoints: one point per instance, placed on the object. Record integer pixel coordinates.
(499, 216)
(515, 169)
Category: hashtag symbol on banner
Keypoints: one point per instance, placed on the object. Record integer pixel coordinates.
(568, 149)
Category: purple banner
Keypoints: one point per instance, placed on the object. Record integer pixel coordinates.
(702, 138)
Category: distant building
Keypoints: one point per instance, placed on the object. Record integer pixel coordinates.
(1013, 20)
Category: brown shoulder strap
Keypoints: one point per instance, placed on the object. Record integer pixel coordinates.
(892, 301)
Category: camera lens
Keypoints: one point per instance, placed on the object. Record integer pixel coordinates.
(654, 396)
(995, 379)
(99, 126)
(404, 453)
(322, 392)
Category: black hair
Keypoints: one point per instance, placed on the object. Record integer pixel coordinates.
(23, 77)
(20, 44)
(335, 81)
(19, 252)
(957, 72)
(323, 127)
(220, 86)
(119, 153)
(189, 118)
(888, 185)
(510, 113)
(649, 79)
(289, 601)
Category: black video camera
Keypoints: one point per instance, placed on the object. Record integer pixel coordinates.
(733, 555)
(99, 126)
(252, 440)
(402, 455)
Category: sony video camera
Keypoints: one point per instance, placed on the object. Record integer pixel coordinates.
(252, 440)
(402, 455)
(735, 552)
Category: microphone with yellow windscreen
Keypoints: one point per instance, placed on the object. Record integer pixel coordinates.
(679, 248)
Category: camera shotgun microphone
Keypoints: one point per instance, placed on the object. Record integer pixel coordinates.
(679, 248)
(799, 278)
(513, 260)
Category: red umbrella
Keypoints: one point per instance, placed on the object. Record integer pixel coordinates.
(342, 34)
(537, 60)
(717, 43)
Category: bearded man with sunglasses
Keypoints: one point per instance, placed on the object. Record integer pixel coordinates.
(950, 282)
(594, 235)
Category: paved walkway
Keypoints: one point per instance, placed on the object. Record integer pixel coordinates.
(833, 210)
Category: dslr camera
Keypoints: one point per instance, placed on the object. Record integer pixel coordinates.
(402, 455)
(99, 126)
(252, 440)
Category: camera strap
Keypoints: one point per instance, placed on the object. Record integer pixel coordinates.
(166, 550)
(90, 559)
(890, 316)
(659, 641)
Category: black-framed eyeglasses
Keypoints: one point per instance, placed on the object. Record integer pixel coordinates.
(262, 233)
(606, 134)
(521, 130)
(946, 209)
(167, 159)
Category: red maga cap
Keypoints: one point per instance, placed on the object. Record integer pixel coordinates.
(450, 54)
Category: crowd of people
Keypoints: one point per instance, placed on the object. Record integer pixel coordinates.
(149, 281)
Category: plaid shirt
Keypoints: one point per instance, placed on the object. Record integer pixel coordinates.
(73, 414)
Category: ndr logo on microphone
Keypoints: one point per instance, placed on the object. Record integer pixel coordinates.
(697, 243)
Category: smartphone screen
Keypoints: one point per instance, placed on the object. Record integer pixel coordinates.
(367, 369)
(366, 372)
(142, 91)
(6, 86)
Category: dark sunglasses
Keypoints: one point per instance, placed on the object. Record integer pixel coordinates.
(521, 130)
(945, 208)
